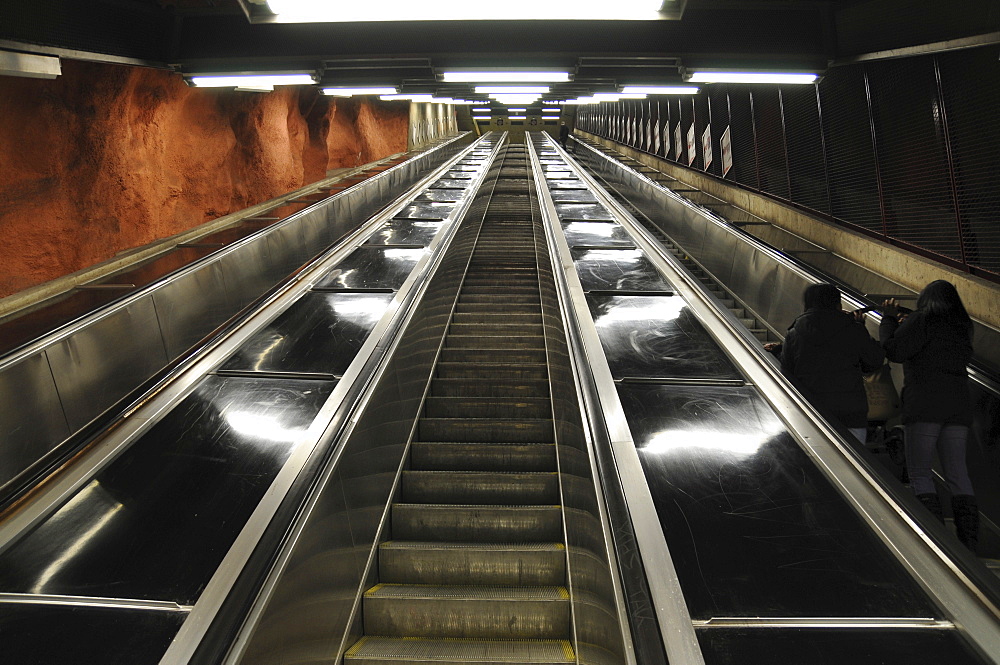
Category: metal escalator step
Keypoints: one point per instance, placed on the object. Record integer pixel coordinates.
(459, 355)
(496, 329)
(480, 524)
(486, 430)
(456, 340)
(477, 289)
(492, 487)
(509, 564)
(378, 650)
(487, 407)
(494, 388)
(499, 299)
(465, 456)
(494, 316)
(482, 612)
(486, 371)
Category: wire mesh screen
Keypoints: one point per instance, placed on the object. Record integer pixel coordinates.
(970, 82)
(743, 138)
(850, 153)
(769, 126)
(804, 142)
(904, 148)
(912, 155)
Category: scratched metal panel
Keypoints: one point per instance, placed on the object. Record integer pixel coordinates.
(31, 418)
(192, 306)
(105, 361)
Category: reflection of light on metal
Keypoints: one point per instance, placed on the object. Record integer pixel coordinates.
(268, 428)
(592, 228)
(354, 305)
(667, 308)
(74, 512)
(733, 443)
(410, 254)
(264, 354)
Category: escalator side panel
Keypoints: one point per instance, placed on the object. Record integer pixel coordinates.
(156, 522)
(755, 530)
(85, 635)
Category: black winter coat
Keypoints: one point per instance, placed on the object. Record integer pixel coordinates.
(934, 354)
(825, 354)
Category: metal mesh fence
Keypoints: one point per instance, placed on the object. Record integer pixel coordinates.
(902, 148)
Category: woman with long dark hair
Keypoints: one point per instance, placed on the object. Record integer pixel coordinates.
(934, 343)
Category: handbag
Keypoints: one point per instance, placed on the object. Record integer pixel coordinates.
(883, 399)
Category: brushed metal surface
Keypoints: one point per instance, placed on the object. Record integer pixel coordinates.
(103, 362)
(190, 307)
(32, 416)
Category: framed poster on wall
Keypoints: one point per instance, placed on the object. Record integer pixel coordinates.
(692, 153)
(706, 146)
(726, 146)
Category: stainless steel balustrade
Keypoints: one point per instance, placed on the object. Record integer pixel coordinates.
(58, 384)
(168, 509)
(748, 483)
(770, 285)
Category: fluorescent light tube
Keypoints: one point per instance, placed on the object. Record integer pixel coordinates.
(302, 11)
(412, 98)
(661, 89)
(517, 110)
(349, 92)
(511, 89)
(505, 77)
(750, 77)
(514, 99)
(518, 117)
(251, 80)
(480, 117)
(481, 110)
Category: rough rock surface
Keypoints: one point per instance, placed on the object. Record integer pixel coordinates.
(106, 158)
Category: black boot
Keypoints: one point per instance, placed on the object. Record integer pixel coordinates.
(932, 503)
(966, 511)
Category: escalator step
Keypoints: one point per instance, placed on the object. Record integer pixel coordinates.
(474, 487)
(464, 456)
(377, 650)
(494, 342)
(499, 300)
(486, 430)
(487, 407)
(493, 317)
(497, 329)
(493, 355)
(480, 524)
(508, 564)
(489, 371)
(495, 388)
(490, 612)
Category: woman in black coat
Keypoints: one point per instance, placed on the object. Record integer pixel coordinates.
(825, 353)
(934, 343)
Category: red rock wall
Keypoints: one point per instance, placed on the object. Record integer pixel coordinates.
(106, 158)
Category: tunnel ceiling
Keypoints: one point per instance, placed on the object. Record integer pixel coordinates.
(216, 35)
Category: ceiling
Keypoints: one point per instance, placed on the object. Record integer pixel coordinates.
(200, 36)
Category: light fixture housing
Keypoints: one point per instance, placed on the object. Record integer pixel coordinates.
(752, 77)
(29, 65)
(661, 89)
(505, 77)
(350, 92)
(249, 81)
(512, 89)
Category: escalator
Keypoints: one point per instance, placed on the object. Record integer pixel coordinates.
(476, 564)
